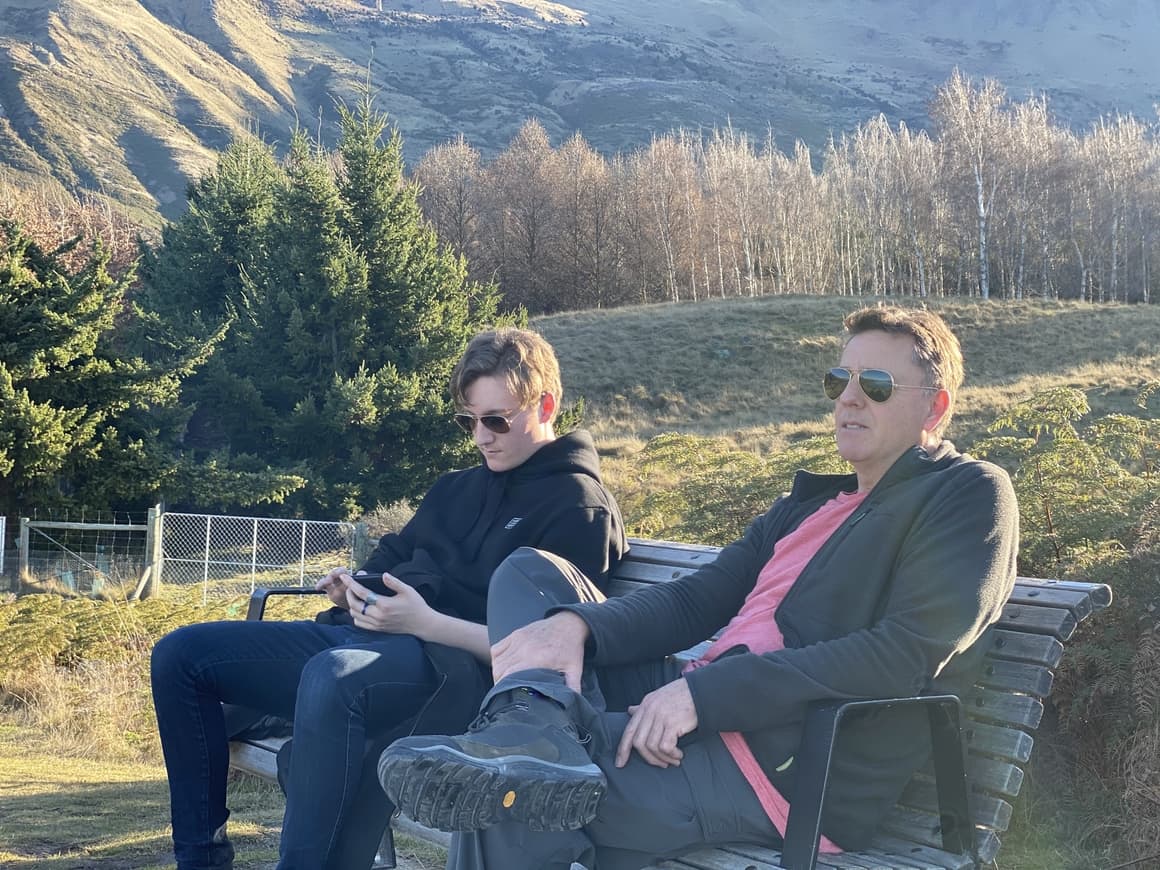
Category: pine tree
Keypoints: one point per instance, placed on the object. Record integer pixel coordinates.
(344, 316)
(84, 421)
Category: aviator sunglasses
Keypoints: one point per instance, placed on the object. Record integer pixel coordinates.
(877, 384)
(496, 423)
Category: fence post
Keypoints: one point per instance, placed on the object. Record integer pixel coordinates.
(360, 545)
(150, 583)
(22, 564)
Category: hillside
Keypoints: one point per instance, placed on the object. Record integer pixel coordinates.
(751, 369)
(131, 97)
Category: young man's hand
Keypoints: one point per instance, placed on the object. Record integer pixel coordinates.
(334, 586)
(661, 718)
(556, 643)
(404, 612)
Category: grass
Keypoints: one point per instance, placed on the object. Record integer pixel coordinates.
(64, 812)
(750, 369)
(81, 781)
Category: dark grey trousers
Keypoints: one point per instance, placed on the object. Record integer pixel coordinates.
(648, 812)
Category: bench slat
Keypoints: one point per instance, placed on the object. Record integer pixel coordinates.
(1100, 593)
(1021, 711)
(257, 759)
(1016, 677)
(1055, 621)
(1003, 742)
(671, 553)
(914, 826)
(987, 774)
(715, 859)
(917, 858)
(925, 855)
(986, 810)
(1040, 649)
(1079, 603)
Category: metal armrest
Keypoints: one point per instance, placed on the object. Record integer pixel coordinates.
(257, 608)
(819, 737)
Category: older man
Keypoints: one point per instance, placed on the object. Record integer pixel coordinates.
(874, 584)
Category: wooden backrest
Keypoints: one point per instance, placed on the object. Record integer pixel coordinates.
(1002, 711)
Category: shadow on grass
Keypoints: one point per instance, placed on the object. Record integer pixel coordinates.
(120, 825)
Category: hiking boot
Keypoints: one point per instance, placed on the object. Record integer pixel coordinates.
(522, 760)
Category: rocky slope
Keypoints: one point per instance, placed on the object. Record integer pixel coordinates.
(132, 97)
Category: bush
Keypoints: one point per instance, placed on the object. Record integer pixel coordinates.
(77, 669)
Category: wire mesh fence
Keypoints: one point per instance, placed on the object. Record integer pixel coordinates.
(84, 554)
(229, 555)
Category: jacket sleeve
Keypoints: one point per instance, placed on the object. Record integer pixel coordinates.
(400, 554)
(670, 617)
(952, 575)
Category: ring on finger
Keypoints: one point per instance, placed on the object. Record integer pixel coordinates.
(372, 599)
(365, 604)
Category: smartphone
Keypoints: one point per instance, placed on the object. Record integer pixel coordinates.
(362, 576)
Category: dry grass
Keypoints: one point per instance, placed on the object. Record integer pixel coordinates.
(750, 369)
(746, 369)
(67, 813)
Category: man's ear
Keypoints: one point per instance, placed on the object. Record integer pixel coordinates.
(547, 407)
(938, 409)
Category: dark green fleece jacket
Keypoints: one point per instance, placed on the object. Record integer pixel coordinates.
(897, 602)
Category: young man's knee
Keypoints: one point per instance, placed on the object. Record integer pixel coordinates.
(174, 653)
(328, 684)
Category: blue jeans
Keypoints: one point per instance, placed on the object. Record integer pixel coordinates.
(341, 685)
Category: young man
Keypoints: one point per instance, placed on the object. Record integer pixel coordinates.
(404, 650)
(875, 584)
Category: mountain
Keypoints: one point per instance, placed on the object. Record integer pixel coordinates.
(133, 97)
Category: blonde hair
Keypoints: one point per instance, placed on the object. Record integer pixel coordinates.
(523, 358)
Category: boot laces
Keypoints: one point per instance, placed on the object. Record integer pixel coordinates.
(487, 717)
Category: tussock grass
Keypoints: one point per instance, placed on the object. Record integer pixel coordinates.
(750, 369)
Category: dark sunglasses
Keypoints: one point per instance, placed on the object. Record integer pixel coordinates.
(496, 423)
(877, 384)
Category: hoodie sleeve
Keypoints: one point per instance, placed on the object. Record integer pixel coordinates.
(404, 554)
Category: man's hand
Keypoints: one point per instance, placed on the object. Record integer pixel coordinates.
(405, 612)
(556, 643)
(656, 723)
(335, 587)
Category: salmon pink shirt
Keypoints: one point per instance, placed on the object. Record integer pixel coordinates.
(755, 627)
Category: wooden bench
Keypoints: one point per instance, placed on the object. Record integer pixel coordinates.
(943, 820)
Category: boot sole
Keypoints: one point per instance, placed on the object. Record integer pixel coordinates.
(444, 789)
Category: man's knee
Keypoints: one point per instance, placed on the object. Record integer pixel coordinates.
(525, 567)
(530, 580)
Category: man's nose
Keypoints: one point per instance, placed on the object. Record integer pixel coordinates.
(852, 394)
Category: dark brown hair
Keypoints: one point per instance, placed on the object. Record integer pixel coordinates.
(936, 349)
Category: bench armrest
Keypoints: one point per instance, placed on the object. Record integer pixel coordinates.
(819, 737)
(258, 597)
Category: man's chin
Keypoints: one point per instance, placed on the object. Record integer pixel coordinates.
(495, 463)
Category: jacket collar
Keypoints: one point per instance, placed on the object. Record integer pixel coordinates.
(915, 461)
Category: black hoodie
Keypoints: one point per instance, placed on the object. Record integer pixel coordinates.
(471, 520)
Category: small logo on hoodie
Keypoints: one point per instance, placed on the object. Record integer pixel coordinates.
(512, 523)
